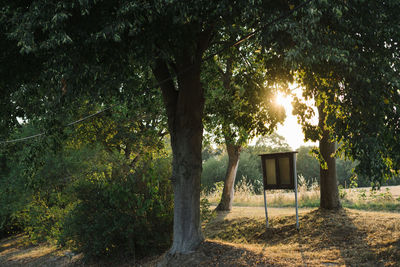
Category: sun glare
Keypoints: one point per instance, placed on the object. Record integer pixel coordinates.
(283, 100)
(290, 129)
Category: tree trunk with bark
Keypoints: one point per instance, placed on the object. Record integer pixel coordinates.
(329, 193)
(184, 105)
(233, 161)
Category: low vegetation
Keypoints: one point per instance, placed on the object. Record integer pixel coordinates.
(385, 199)
(335, 238)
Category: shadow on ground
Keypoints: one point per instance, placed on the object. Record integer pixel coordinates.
(335, 237)
(214, 253)
(14, 252)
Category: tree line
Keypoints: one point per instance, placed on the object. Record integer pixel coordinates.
(215, 164)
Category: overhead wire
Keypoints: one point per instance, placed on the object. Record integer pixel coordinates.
(69, 124)
(229, 45)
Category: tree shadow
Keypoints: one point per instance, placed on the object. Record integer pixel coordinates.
(336, 230)
(335, 235)
(15, 252)
(214, 253)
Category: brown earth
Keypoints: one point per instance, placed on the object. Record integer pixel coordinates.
(326, 238)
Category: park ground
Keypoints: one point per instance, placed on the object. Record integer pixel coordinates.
(348, 237)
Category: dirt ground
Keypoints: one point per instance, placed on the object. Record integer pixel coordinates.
(240, 238)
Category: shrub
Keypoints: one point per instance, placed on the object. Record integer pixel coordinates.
(41, 219)
(122, 214)
(206, 214)
(214, 170)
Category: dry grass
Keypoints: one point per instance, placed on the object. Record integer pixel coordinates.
(345, 237)
(14, 251)
(387, 198)
(239, 238)
(326, 238)
(244, 196)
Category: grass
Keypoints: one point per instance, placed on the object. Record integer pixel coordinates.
(386, 199)
(344, 237)
(16, 251)
(336, 238)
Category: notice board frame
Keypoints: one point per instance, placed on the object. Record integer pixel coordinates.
(279, 185)
(276, 156)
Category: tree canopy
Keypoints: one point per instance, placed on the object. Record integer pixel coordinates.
(55, 54)
(349, 61)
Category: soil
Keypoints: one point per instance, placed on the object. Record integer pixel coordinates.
(326, 238)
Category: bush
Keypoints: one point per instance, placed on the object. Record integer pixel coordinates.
(206, 214)
(122, 214)
(214, 170)
(41, 219)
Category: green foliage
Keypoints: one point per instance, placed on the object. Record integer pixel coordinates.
(123, 214)
(249, 168)
(360, 103)
(109, 171)
(240, 88)
(342, 192)
(362, 194)
(307, 166)
(214, 170)
(42, 219)
(206, 213)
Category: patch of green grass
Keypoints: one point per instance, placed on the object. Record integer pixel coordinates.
(378, 205)
(393, 206)
(359, 199)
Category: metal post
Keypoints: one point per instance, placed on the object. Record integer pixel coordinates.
(295, 190)
(265, 205)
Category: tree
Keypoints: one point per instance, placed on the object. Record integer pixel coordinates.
(240, 103)
(329, 192)
(92, 48)
(359, 103)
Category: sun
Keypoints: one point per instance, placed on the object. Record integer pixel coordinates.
(283, 100)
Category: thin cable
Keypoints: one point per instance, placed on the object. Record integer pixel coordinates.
(92, 115)
(69, 124)
(22, 139)
(244, 38)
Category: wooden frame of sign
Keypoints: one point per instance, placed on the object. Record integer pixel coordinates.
(279, 172)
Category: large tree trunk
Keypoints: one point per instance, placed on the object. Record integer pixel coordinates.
(185, 110)
(329, 198)
(227, 194)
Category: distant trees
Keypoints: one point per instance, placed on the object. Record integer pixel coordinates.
(308, 166)
(249, 167)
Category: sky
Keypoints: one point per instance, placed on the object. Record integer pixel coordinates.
(290, 129)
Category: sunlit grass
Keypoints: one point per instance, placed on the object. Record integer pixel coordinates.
(344, 237)
(362, 199)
